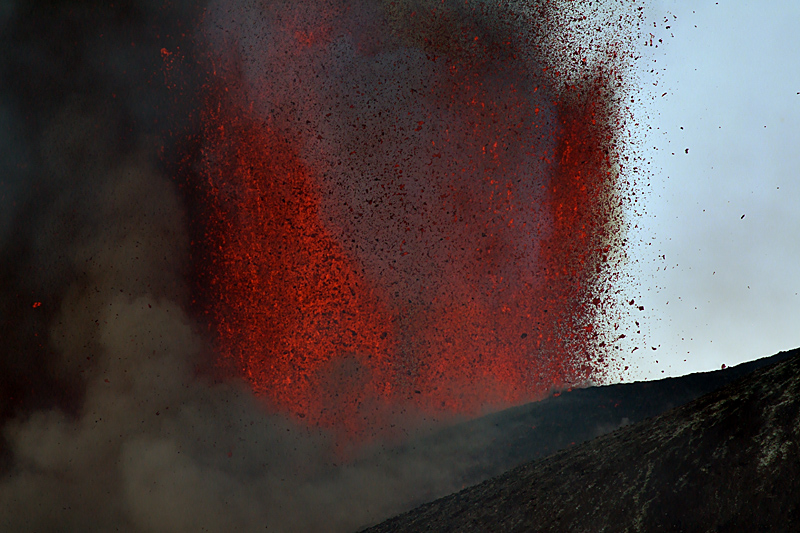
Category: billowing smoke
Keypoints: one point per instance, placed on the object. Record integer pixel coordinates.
(115, 413)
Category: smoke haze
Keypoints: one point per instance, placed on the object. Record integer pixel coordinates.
(113, 414)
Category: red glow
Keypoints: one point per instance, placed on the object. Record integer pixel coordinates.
(458, 272)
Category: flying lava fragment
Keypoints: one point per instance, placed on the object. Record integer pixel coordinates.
(407, 206)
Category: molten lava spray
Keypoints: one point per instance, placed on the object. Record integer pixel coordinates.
(373, 214)
(409, 206)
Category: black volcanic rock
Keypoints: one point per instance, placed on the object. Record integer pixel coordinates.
(728, 461)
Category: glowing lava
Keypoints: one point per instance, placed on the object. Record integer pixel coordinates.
(405, 210)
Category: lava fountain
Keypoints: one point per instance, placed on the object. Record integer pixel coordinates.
(407, 206)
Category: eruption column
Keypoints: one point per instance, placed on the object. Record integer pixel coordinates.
(405, 210)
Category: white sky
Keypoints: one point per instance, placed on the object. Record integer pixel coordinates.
(727, 290)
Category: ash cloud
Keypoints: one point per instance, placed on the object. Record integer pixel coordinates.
(110, 418)
(109, 421)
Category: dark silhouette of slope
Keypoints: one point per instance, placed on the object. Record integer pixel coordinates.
(728, 461)
(488, 446)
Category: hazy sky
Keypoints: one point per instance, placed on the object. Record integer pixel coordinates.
(724, 215)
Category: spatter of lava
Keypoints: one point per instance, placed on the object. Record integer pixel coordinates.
(408, 206)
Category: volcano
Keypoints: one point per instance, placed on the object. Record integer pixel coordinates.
(249, 249)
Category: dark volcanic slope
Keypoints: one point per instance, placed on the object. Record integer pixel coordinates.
(479, 449)
(728, 461)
